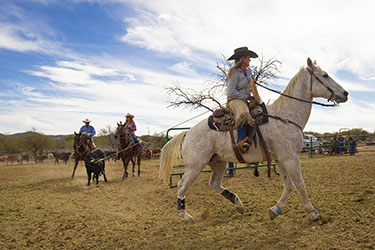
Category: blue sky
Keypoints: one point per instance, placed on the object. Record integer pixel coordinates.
(64, 61)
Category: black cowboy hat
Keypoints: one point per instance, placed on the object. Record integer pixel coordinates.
(242, 51)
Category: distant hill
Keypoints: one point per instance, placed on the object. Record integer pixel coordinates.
(54, 137)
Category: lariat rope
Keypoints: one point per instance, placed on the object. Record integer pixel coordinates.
(109, 156)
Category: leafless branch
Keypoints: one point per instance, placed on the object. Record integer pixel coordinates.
(265, 72)
(190, 97)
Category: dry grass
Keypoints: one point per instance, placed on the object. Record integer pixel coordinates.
(42, 208)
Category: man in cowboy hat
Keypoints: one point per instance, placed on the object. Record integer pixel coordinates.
(88, 132)
(238, 93)
(131, 128)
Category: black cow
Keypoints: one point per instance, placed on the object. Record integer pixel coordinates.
(95, 165)
(25, 158)
(112, 155)
(61, 156)
(40, 158)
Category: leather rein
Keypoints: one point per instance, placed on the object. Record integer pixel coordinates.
(312, 75)
(79, 145)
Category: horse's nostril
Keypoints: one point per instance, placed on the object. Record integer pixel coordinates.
(346, 93)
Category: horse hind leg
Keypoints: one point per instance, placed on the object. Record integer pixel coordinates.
(133, 163)
(218, 170)
(139, 163)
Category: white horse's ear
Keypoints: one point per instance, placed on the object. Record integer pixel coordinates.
(315, 62)
(310, 64)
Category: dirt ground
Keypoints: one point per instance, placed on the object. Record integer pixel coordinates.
(41, 208)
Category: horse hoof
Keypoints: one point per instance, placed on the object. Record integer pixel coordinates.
(239, 206)
(124, 178)
(240, 210)
(274, 212)
(314, 215)
(187, 217)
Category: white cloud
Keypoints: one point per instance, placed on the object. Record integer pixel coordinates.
(194, 34)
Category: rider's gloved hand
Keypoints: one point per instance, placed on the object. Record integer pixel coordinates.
(84, 133)
(88, 134)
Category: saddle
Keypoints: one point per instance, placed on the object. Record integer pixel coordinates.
(222, 120)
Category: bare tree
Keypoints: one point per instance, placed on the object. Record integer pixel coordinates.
(214, 90)
(106, 137)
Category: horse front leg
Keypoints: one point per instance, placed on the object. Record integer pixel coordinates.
(293, 171)
(125, 162)
(218, 171)
(288, 187)
(75, 167)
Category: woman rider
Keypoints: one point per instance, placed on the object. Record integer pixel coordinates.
(238, 92)
(131, 127)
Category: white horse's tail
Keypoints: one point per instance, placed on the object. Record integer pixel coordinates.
(169, 154)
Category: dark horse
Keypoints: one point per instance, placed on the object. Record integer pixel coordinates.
(128, 150)
(81, 149)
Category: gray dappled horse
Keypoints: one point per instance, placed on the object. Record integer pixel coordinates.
(284, 141)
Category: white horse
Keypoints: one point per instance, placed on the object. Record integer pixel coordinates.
(203, 146)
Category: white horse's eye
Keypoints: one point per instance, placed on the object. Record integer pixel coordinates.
(325, 75)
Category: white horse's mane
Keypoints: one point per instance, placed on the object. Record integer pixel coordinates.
(285, 101)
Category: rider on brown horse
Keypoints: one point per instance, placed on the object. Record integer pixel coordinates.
(88, 132)
(131, 128)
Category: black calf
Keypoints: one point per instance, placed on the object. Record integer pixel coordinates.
(95, 165)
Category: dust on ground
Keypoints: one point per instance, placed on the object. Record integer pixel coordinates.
(42, 208)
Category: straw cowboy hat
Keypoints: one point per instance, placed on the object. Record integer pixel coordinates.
(242, 51)
(86, 120)
(129, 115)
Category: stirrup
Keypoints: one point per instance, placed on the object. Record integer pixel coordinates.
(244, 145)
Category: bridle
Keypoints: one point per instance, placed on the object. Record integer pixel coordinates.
(312, 75)
(79, 144)
(323, 83)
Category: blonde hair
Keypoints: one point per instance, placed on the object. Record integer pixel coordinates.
(237, 64)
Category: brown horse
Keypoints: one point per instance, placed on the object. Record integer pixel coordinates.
(128, 150)
(81, 149)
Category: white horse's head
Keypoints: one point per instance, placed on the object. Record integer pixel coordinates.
(322, 85)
